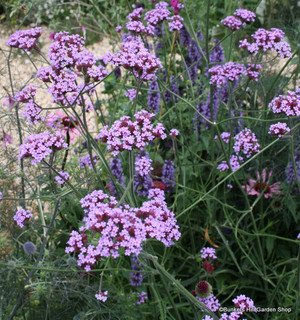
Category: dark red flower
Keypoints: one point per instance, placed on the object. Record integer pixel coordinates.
(208, 267)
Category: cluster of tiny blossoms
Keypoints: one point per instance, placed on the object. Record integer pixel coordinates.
(242, 304)
(39, 146)
(211, 302)
(126, 134)
(21, 216)
(134, 56)
(120, 228)
(143, 166)
(225, 136)
(85, 161)
(279, 129)
(239, 20)
(25, 39)
(32, 110)
(62, 178)
(208, 254)
(131, 94)
(245, 143)
(289, 104)
(141, 298)
(253, 71)
(70, 62)
(153, 18)
(267, 40)
(235, 163)
(229, 71)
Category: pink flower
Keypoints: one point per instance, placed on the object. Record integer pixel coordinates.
(176, 23)
(233, 23)
(25, 39)
(131, 94)
(254, 187)
(22, 216)
(174, 133)
(245, 15)
(61, 121)
(279, 129)
(101, 296)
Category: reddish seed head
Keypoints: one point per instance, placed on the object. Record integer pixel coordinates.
(203, 289)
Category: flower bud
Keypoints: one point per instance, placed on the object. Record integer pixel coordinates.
(203, 289)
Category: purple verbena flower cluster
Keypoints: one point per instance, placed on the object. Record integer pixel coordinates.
(176, 23)
(253, 71)
(235, 163)
(101, 296)
(289, 104)
(62, 177)
(142, 297)
(279, 129)
(174, 133)
(239, 20)
(26, 94)
(244, 303)
(211, 302)
(121, 227)
(126, 134)
(233, 23)
(246, 142)
(158, 15)
(135, 25)
(229, 71)
(135, 57)
(225, 136)
(245, 15)
(85, 161)
(265, 40)
(32, 110)
(208, 252)
(70, 62)
(22, 216)
(25, 39)
(39, 146)
(131, 94)
(143, 166)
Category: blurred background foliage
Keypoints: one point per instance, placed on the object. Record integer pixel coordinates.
(100, 17)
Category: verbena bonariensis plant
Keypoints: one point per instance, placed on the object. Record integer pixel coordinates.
(188, 122)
